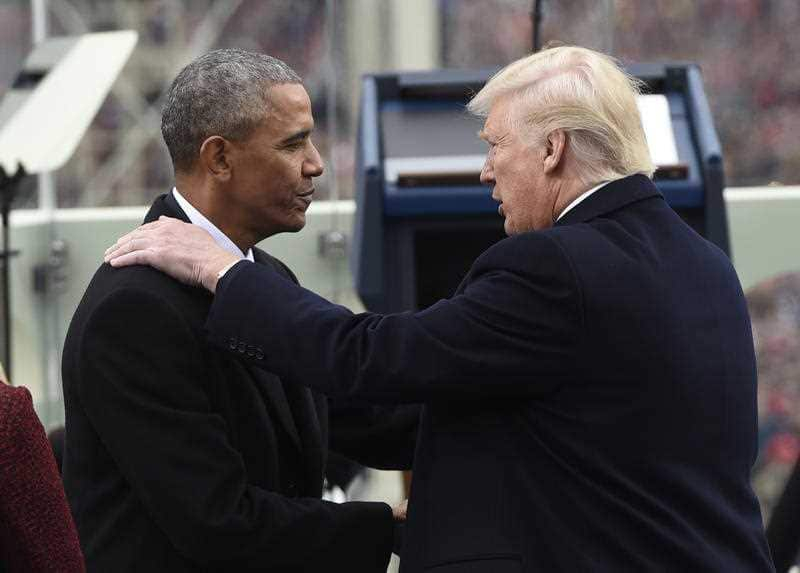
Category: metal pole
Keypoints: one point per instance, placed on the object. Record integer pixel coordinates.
(330, 92)
(46, 187)
(536, 25)
(46, 194)
(38, 20)
(9, 184)
(611, 16)
(38, 33)
(6, 284)
(333, 240)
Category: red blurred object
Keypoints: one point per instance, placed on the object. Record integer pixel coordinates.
(37, 533)
(779, 403)
(783, 448)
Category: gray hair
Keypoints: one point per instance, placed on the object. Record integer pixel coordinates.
(222, 93)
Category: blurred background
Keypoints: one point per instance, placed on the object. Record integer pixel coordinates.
(61, 222)
(740, 44)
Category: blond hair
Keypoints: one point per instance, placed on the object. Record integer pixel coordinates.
(584, 93)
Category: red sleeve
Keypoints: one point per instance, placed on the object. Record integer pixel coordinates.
(36, 529)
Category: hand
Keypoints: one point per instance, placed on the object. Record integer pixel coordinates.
(400, 510)
(183, 251)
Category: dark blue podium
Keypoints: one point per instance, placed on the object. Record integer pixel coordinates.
(422, 215)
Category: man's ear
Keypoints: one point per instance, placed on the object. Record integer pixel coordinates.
(215, 157)
(555, 150)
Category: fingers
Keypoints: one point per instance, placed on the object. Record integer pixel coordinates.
(115, 250)
(133, 252)
(121, 241)
(133, 258)
(133, 242)
(124, 245)
(147, 232)
(184, 251)
(127, 238)
(400, 511)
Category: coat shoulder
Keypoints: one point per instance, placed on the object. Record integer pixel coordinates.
(15, 403)
(135, 297)
(139, 281)
(537, 252)
(264, 257)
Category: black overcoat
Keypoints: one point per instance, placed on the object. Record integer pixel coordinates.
(181, 457)
(589, 390)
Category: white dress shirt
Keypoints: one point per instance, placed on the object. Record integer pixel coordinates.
(581, 197)
(197, 218)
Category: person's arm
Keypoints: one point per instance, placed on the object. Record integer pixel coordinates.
(381, 437)
(512, 331)
(142, 386)
(36, 529)
(376, 436)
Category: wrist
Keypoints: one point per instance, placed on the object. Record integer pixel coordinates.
(216, 269)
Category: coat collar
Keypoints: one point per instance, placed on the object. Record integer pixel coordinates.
(165, 205)
(614, 196)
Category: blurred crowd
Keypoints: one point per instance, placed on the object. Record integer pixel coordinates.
(775, 315)
(745, 49)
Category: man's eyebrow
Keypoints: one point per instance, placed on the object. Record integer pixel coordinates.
(295, 137)
(486, 137)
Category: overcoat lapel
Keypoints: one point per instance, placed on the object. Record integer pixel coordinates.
(272, 390)
(165, 205)
(307, 419)
(270, 385)
(301, 409)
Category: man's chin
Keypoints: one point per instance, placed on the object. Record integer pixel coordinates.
(297, 225)
(289, 227)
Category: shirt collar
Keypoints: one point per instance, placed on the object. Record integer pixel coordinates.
(581, 197)
(197, 218)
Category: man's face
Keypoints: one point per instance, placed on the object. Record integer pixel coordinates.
(514, 170)
(272, 182)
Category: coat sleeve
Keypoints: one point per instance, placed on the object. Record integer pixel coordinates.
(36, 529)
(142, 386)
(382, 437)
(512, 330)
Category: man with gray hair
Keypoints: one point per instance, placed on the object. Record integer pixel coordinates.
(590, 387)
(180, 457)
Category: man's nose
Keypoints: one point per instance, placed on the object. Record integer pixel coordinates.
(487, 173)
(313, 166)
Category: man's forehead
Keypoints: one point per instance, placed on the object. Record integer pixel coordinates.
(288, 99)
(288, 94)
(496, 122)
(290, 106)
